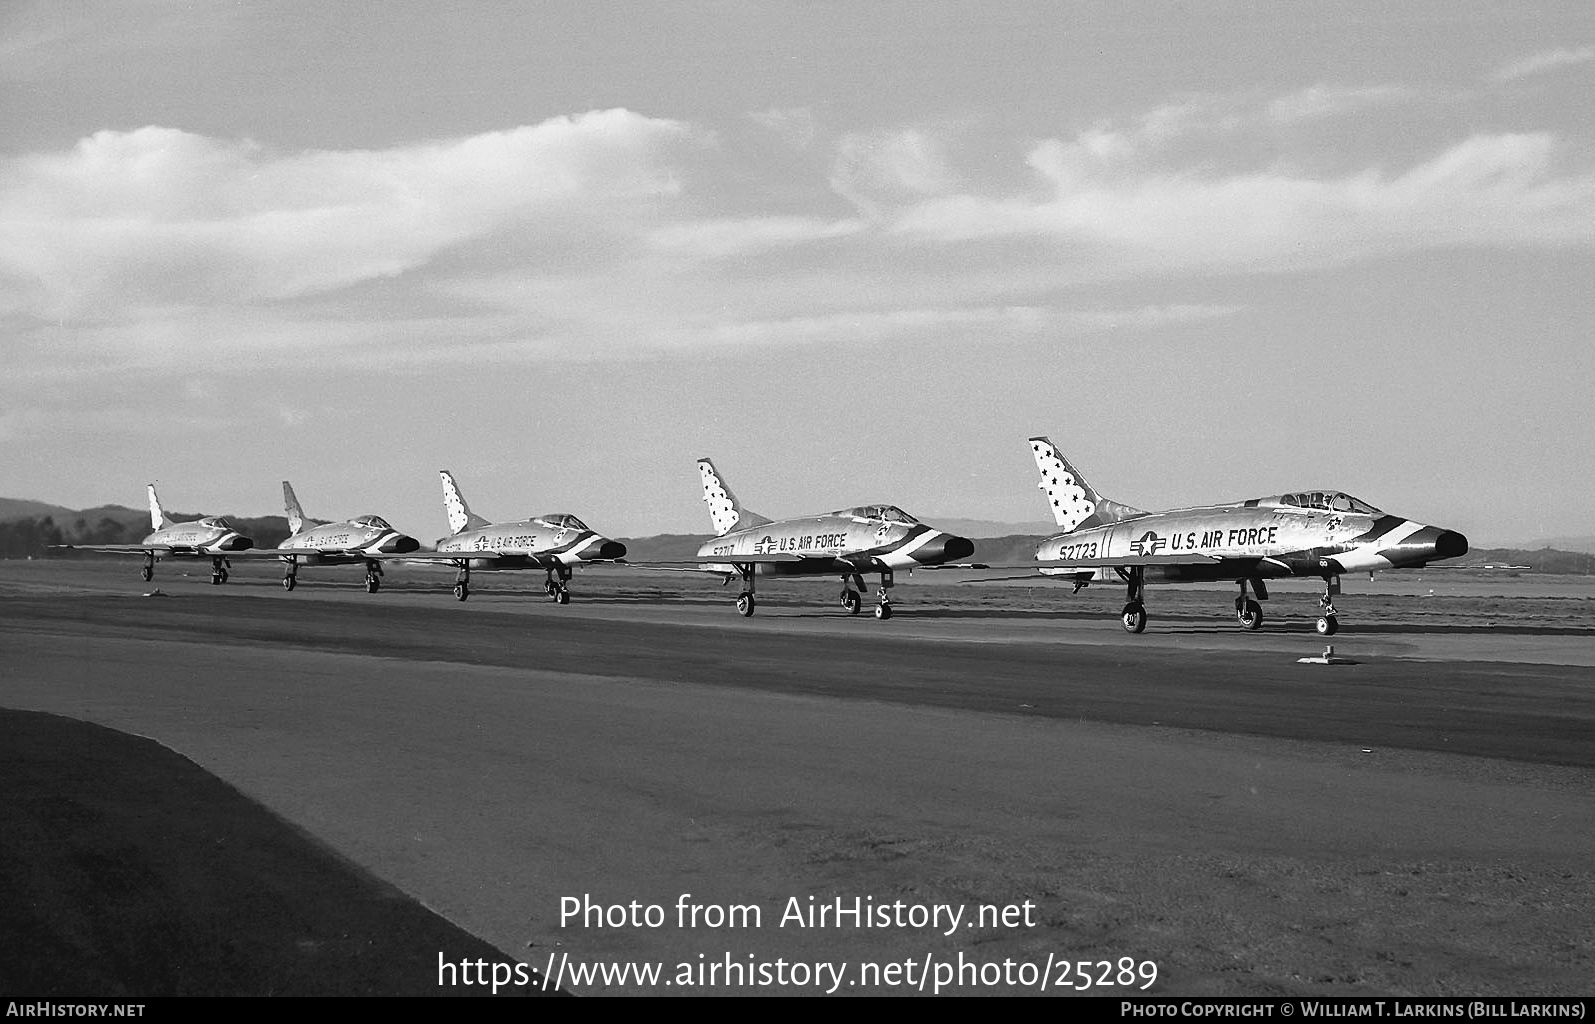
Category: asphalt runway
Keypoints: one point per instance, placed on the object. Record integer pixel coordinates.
(1416, 823)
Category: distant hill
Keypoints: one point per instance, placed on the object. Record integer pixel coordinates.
(977, 528)
(1584, 544)
(12, 509)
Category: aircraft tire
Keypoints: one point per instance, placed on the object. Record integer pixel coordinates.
(373, 584)
(215, 579)
(461, 591)
(549, 588)
(1251, 616)
(147, 573)
(288, 583)
(883, 611)
(745, 605)
(852, 601)
(563, 597)
(1327, 625)
(1133, 618)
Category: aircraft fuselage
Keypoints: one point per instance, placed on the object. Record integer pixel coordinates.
(825, 545)
(346, 542)
(1258, 541)
(530, 543)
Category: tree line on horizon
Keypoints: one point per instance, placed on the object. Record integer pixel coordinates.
(32, 536)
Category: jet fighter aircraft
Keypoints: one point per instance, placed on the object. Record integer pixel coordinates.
(1321, 533)
(211, 537)
(845, 543)
(553, 543)
(362, 539)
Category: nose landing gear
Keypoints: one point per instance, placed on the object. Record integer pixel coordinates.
(1328, 624)
(1133, 617)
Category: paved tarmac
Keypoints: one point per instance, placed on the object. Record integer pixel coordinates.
(1193, 798)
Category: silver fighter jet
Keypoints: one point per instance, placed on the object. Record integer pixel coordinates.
(846, 543)
(554, 543)
(212, 537)
(364, 539)
(1321, 533)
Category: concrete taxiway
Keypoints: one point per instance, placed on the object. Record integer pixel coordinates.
(1415, 823)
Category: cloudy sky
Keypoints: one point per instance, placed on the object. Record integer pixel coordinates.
(853, 251)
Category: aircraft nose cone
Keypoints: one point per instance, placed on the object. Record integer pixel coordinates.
(1450, 544)
(400, 545)
(611, 549)
(946, 548)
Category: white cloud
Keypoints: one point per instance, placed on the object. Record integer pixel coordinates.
(1542, 62)
(160, 216)
(729, 237)
(1490, 190)
(795, 126)
(885, 167)
(1321, 101)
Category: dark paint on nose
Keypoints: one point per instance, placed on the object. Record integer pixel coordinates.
(611, 549)
(402, 545)
(238, 544)
(946, 548)
(1450, 544)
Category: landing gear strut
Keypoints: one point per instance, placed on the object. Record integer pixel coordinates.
(745, 601)
(1248, 612)
(1328, 624)
(149, 566)
(373, 576)
(1133, 617)
(218, 570)
(883, 610)
(462, 582)
(290, 579)
(852, 600)
(558, 590)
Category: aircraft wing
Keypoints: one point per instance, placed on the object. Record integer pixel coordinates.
(1071, 564)
(123, 549)
(546, 561)
(702, 560)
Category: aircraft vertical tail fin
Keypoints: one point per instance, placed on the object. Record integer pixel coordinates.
(725, 511)
(461, 518)
(1075, 503)
(158, 520)
(290, 505)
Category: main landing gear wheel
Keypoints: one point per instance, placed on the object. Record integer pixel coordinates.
(289, 582)
(461, 591)
(373, 584)
(549, 588)
(147, 573)
(1250, 615)
(1133, 618)
(883, 611)
(218, 577)
(1327, 625)
(745, 605)
(852, 601)
(563, 597)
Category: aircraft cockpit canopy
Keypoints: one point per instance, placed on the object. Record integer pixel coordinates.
(561, 521)
(216, 523)
(374, 522)
(1328, 501)
(884, 513)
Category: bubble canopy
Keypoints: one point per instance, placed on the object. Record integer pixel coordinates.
(375, 522)
(885, 513)
(216, 522)
(1328, 501)
(561, 521)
